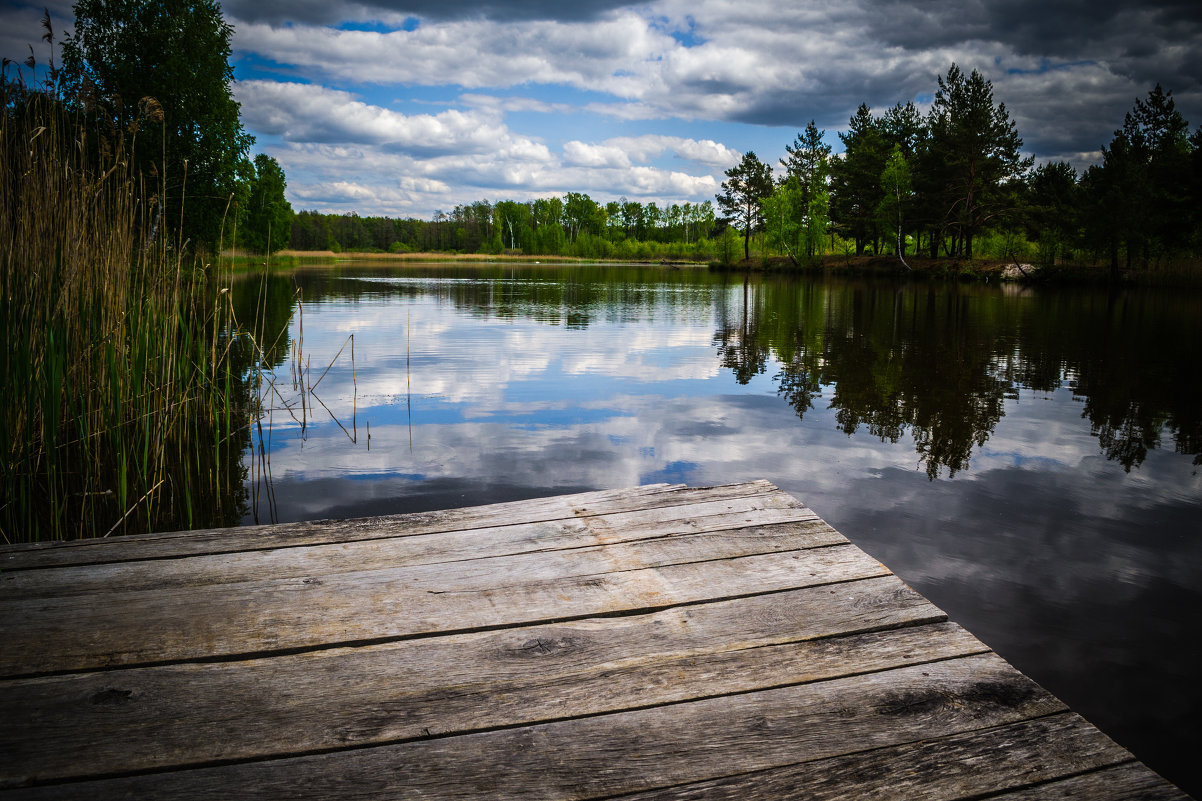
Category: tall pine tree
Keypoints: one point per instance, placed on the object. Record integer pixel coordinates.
(976, 149)
(747, 184)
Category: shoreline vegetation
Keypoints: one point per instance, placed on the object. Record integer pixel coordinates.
(123, 401)
(124, 406)
(1186, 273)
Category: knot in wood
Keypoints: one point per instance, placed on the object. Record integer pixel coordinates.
(111, 697)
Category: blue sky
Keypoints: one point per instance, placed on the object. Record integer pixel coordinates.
(404, 107)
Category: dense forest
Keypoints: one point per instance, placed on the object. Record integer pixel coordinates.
(949, 183)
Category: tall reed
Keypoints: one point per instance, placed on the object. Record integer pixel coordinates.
(121, 408)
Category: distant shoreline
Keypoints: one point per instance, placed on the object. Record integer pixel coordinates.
(957, 269)
(293, 257)
(424, 256)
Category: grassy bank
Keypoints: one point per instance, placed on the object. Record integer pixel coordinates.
(121, 405)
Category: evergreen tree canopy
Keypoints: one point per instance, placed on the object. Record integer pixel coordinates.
(1052, 201)
(857, 184)
(805, 157)
(1140, 198)
(977, 145)
(747, 184)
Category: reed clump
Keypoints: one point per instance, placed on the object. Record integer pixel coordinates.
(122, 407)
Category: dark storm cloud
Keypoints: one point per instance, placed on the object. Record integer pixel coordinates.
(1133, 38)
(1065, 28)
(834, 97)
(317, 12)
(1067, 70)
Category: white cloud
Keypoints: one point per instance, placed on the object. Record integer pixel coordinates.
(471, 53)
(515, 104)
(342, 154)
(585, 155)
(651, 146)
(308, 113)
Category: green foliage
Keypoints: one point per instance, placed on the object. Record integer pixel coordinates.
(973, 154)
(268, 218)
(784, 217)
(160, 72)
(857, 175)
(805, 158)
(582, 215)
(953, 181)
(728, 245)
(1140, 196)
(818, 211)
(747, 184)
(574, 225)
(1052, 210)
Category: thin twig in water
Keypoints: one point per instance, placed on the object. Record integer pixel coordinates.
(333, 417)
(350, 338)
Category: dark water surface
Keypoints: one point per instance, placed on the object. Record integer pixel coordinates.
(1027, 460)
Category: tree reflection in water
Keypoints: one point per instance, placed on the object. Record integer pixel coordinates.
(940, 361)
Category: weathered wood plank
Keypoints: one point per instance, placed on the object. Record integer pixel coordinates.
(753, 515)
(661, 643)
(943, 769)
(1130, 782)
(45, 635)
(628, 751)
(139, 719)
(184, 543)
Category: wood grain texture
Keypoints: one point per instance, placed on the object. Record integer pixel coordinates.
(1130, 782)
(224, 540)
(185, 543)
(629, 751)
(941, 769)
(655, 643)
(76, 633)
(760, 517)
(95, 724)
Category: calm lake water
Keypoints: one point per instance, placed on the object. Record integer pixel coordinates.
(1028, 460)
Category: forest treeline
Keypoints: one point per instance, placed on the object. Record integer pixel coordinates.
(574, 225)
(949, 183)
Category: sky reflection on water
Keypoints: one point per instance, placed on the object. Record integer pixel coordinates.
(1027, 461)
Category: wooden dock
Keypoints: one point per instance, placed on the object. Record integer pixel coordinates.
(654, 643)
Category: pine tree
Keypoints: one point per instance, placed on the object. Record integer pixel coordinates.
(857, 178)
(747, 184)
(978, 147)
(806, 156)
